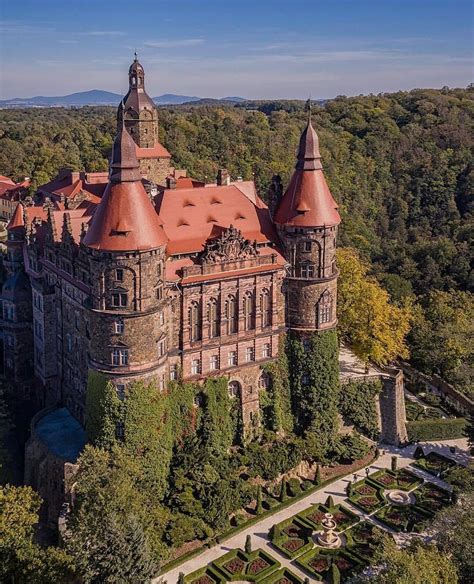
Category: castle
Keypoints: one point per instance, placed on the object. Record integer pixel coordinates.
(146, 274)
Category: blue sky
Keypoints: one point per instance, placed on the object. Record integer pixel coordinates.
(256, 49)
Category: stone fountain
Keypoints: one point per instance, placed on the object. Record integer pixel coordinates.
(328, 538)
(398, 497)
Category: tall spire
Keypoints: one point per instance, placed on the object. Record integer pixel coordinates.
(125, 219)
(307, 201)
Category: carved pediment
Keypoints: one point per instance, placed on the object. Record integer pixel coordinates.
(229, 246)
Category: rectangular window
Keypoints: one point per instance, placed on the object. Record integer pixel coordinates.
(162, 348)
(307, 245)
(120, 357)
(120, 391)
(119, 326)
(159, 293)
(195, 367)
(174, 372)
(267, 350)
(214, 363)
(232, 358)
(119, 299)
(119, 275)
(249, 354)
(307, 270)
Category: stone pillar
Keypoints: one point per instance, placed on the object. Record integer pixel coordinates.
(392, 409)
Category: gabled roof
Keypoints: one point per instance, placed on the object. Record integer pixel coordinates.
(158, 151)
(307, 201)
(125, 219)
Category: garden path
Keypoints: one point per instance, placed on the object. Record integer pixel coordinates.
(259, 531)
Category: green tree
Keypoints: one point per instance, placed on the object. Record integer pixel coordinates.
(21, 559)
(375, 328)
(259, 507)
(248, 544)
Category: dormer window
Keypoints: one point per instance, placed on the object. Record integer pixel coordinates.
(119, 299)
(119, 357)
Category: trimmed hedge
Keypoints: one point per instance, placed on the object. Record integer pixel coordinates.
(422, 430)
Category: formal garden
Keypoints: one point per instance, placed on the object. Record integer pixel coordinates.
(329, 542)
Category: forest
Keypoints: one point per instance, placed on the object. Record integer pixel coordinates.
(400, 166)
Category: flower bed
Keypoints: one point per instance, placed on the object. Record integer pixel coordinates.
(283, 576)
(238, 565)
(367, 496)
(431, 498)
(401, 479)
(362, 540)
(318, 562)
(292, 537)
(314, 515)
(206, 575)
(407, 518)
(434, 463)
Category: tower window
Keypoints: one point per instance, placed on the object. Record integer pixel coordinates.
(162, 347)
(119, 299)
(307, 270)
(213, 317)
(231, 315)
(119, 275)
(195, 321)
(119, 326)
(307, 246)
(265, 381)
(120, 387)
(174, 372)
(324, 309)
(266, 308)
(120, 357)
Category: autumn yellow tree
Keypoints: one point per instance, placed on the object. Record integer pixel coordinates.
(375, 328)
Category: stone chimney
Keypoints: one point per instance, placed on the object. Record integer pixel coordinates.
(170, 182)
(223, 177)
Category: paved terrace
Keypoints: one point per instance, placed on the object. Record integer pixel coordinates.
(259, 531)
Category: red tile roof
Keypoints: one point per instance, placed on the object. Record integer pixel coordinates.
(307, 201)
(125, 219)
(17, 219)
(192, 216)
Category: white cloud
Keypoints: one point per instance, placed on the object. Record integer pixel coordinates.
(174, 43)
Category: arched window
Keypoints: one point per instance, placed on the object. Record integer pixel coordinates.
(234, 388)
(265, 381)
(231, 315)
(306, 270)
(195, 321)
(249, 311)
(213, 318)
(266, 308)
(324, 309)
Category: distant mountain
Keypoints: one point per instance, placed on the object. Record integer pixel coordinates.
(93, 97)
(99, 97)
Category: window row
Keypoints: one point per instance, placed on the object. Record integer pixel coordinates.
(232, 359)
(230, 316)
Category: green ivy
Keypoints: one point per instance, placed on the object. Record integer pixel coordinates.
(275, 403)
(103, 410)
(217, 428)
(358, 404)
(314, 382)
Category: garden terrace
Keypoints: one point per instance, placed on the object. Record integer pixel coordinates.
(292, 537)
(317, 562)
(406, 518)
(315, 514)
(401, 479)
(367, 496)
(434, 463)
(206, 575)
(237, 565)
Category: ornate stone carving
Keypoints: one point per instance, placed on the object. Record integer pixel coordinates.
(231, 245)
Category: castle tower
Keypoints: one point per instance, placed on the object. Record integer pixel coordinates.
(140, 116)
(126, 245)
(307, 220)
(16, 320)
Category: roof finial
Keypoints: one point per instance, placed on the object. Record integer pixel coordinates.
(136, 57)
(308, 108)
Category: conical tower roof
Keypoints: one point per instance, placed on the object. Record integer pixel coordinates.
(18, 219)
(307, 202)
(125, 219)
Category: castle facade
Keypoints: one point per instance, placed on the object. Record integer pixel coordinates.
(146, 274)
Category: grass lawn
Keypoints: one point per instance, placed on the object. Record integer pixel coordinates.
(434, 463)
